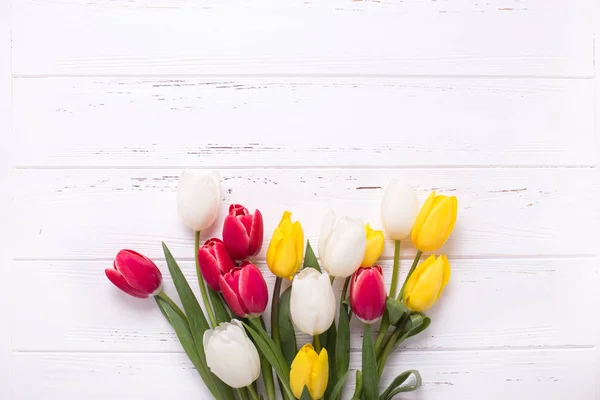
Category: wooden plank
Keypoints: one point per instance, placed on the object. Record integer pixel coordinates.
(91, 214)
(457, 37)
(526, 374)
(517, 304)
(5, 203)
(299, 122)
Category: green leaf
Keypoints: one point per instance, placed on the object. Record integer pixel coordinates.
(287, 334)
(407, 388)
(395, 310)
(369, 367)
(221, 313)
(337, 389)
(268, 348)
(305, 394)
(267, 374)
(310, 260)
(184, 335)
(342, 342)
(197, 321)
(330, 346)
(399, 380)
(359, 386)
(416, 324)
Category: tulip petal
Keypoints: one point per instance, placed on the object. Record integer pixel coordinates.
(235, 237)
(138, 270)
(298, 235)
(230, 295)
(438, 225)
(254, 293)
(423, 214)
(209, 268)
(319, 376)
(285, 259)
(256, 234)
(301, 369)
(119, 281)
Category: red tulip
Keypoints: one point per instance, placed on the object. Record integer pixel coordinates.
(367, 294)
(242, 232)
(245, 290)
(214, 261)
(135, 274)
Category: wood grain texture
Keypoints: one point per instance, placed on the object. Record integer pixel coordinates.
(298, 122)
(90, 214)
(524, 374)
(458, 37)
(509, 295)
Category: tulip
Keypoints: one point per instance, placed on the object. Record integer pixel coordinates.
(434, 222)
(242, 232)
(231, 355)
(367, 294)
(284, 256)
(135, 274)
(375, 241)
(198, 199)
(245, 290)
(426, 284)
(312, 302)
(309, 370)
(214, 261)
(342, 244)
(399, 209)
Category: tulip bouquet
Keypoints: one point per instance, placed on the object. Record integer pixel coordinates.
(227, 340)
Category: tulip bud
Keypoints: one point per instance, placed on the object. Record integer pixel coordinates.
(198, 199)
(424, 287)
(375, 242)
(309, 370)
(242, 232)
(231, 355)
(399, 209)
(342, 244)
(214, 261)
(312, 302)
(286, 249)
(367, 294)
(245, 290)
(135, 274)
(434, 222)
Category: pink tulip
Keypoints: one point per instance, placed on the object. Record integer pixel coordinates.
(135, 274)
(367, 294)
(245, 290)
(242, 232)
(214, 261)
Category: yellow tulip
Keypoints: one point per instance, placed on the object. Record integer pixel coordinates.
(426, 284)
(434, 222)
(374, 249)
(284, 256)
(310, 370)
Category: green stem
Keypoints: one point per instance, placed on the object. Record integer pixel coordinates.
(242, 393)
(317, 343)
(412, 268)
(383, 328)
(252, 392)
(275, 312)
(388, 349)
(331, 279)
(395, 268)
(209, 310)
(345, 290)
(173, 305)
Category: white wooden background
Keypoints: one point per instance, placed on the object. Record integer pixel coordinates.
(301, 105)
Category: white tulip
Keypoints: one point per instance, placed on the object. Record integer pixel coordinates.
(198, 199)
(312, 302)
(231, 355)
(342, 245)
(399, 209)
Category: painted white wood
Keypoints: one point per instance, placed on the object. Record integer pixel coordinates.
(5, 192)
(458, 37)
(83, 214)
(524, 374)
(300, 122)
(516, 306)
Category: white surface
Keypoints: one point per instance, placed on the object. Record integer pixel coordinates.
(301, 106)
